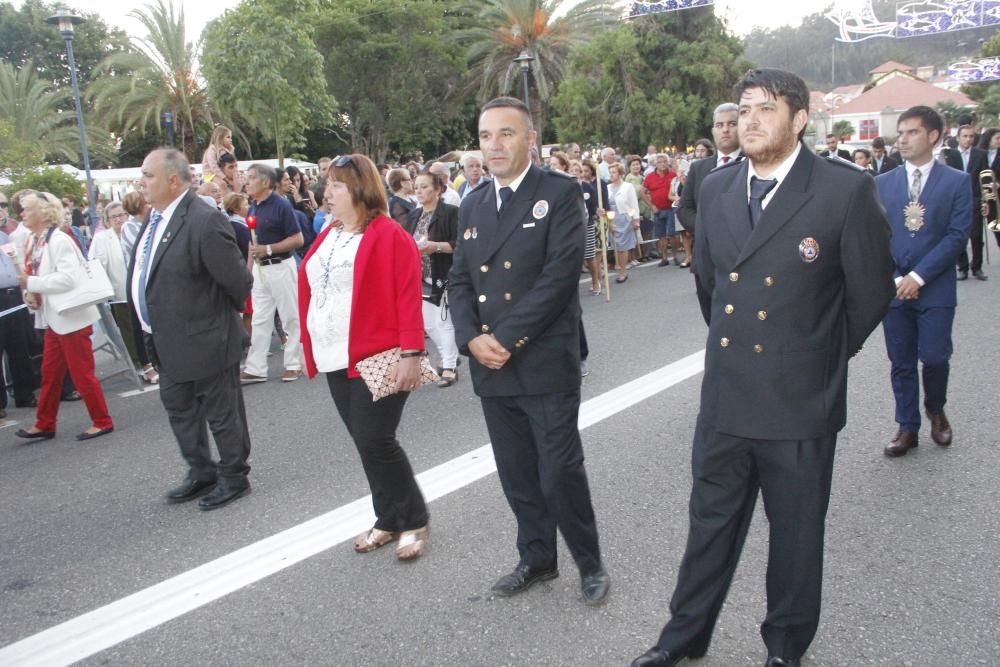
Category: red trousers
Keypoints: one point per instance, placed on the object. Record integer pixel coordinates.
(73, 352)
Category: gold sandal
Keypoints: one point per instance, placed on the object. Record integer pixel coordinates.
(411, 543)
(373, 539)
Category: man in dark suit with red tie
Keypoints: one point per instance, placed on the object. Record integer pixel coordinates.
(725, 133)
(515, 298)
(966, 157)
(794, 249)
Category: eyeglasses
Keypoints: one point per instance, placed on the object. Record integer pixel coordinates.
(4, 204)
(117, 216)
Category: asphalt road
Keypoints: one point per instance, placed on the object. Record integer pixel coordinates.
(912, 544)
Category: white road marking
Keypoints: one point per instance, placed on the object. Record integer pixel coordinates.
(102, 628)
(139, 392)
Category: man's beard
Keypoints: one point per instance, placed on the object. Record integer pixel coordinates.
(773, 150)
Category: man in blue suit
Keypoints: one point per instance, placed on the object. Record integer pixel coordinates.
(929, 206)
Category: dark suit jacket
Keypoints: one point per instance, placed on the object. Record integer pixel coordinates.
(888, 164)
(197, 285)
(930, 251)
(443, 228)
(516, 277)
(841, 153)
(978, 161)
(782, 327)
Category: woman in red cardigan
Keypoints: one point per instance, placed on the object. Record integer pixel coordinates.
(359, 294)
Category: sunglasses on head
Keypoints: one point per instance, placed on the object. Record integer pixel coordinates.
(343, 161)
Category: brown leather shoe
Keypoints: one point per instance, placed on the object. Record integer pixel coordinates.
(902, 443)
(940, 429)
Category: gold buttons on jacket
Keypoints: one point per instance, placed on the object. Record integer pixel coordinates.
(724, 342)
(733, 277)
(769, 281)
(484, 268)
(506, 296)
(758, 348)
(761, 315)
(482, 298)
(507, 264)
(485, 328)
(729, 309)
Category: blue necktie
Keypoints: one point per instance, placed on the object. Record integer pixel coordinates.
(147, 256)
(505, 195)
(759, 187)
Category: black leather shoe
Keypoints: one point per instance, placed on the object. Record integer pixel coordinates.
(98, 434)
(940, 429)
(522, 578)
(595, 587)
(775, 661)
(35, 435)
(224, 493)
(657, 657)
(189, 490)
(963, 275)
(979, 275)
(902, 443)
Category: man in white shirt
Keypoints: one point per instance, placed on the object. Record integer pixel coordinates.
(450, 196)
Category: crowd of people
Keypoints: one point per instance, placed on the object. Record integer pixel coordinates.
(355, 270)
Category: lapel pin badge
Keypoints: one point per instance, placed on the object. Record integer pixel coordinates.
(809, 250)
(467, 235)
(540, 209)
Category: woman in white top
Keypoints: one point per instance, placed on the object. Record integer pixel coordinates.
(109, 248)
(626, 220)
(51, 260)
(359, 295)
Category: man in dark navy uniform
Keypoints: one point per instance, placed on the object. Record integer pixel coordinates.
(515, 297)
(794, 250)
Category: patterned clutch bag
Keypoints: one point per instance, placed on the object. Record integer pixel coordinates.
(375, 371)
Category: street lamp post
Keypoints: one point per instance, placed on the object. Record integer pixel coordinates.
(524, 60)
(66, 20)
(168, 122)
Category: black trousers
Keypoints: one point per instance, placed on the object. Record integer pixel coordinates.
(539, 456)
(794, 478)
(216, 403)
(15, 333)
(399, 504)
(976, 237)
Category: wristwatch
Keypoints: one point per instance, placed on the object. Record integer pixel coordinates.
(269, 251)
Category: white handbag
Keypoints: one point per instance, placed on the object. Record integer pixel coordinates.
(91, 285)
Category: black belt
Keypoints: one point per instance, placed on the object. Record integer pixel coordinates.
(274, 259)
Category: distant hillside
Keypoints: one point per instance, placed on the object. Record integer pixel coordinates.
(806, 49)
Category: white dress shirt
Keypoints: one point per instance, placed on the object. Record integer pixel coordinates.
(161, 228)
(778, 174)
(925, 172)
(513, 185)
(732, 157)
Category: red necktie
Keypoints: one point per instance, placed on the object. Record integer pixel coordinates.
(725, 159)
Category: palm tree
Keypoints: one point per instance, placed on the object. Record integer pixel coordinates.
(33, 116)
(159, 74)
(544, 29)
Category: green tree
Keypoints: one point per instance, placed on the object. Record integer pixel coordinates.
(50, 179)
(261, 62)
(37, 128)
(396, 75)
(652, 80)
(24, 36)
(952, 113)
(843, 128)
(162, 75)
(547, 29)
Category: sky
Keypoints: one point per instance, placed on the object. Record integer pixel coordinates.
(741, 15)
